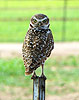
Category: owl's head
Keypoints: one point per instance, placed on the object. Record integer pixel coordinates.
(39, 20)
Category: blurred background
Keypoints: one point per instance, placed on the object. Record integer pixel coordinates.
(61, 69)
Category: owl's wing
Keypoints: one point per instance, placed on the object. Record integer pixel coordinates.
(49, 43)
(26, 51)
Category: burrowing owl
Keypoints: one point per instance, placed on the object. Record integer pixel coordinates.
(38, 43)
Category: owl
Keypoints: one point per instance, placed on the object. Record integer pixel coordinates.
(38, 44)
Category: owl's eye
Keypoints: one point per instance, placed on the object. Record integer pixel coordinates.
(34, 20)
(45, 21)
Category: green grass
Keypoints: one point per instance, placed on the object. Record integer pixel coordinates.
(14, 31)
(37, 3)
(61, 73)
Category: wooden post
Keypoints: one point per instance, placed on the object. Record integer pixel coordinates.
(39, 88)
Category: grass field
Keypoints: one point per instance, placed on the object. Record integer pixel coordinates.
(14, 31)
(62, 73)
(37, 3)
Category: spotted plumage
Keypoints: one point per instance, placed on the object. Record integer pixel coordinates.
(38, 43)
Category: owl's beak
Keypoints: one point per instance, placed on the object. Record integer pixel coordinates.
(39, 23)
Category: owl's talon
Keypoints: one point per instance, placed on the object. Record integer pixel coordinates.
(43, 76)
(34, 75)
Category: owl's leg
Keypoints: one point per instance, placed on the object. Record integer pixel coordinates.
(34, 75)
(42, 75)
(42, 69)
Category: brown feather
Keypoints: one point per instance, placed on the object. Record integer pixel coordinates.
(27, 71)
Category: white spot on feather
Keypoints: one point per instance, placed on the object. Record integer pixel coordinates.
(48, 32)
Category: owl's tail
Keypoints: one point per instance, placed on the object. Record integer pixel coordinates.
(27, 71)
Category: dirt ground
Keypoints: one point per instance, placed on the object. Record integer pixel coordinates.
(14, 93)
(74, 96)
(60, 49)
